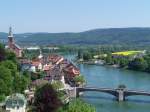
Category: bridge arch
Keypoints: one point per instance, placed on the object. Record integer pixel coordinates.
(103, 90)
(120, 94)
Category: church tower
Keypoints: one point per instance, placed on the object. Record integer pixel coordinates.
(12, 45)
(10, 38)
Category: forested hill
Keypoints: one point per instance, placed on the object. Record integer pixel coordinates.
(132, 36)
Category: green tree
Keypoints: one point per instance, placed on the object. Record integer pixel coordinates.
(46, 99)
(124, 62)
(79, 54)
(26, 74)
(138, 64)
(109, 59)
(57, 85)
(87, 56)
(41, 75)
(79, 79)
(78, 105)
(11, 66)
(3, 90)
(20, 83)
(147, 59)
(2, 53)
(5, 75)
(11, 56)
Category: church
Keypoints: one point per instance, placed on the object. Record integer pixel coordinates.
(12, 45)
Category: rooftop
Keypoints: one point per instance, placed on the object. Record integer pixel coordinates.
(15, 100)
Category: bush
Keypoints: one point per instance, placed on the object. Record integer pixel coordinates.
(79, 79)
(78, 105)
(46, 100)
(57, 85)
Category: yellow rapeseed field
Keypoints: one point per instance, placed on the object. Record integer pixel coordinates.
(127, 53)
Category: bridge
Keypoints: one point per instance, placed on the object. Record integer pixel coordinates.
(119, 93)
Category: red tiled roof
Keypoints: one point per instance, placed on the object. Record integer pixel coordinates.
(17, 46)
(54, 58)
(71, 69)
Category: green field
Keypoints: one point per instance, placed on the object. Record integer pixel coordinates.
(127, 53)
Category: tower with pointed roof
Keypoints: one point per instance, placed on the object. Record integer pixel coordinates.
(10, 38)
(11, 44)
(40, 55)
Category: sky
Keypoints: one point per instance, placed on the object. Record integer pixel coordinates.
(72, 15)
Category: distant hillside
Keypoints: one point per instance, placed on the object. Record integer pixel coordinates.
(132, 36)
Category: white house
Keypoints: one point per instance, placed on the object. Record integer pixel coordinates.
(16, 103)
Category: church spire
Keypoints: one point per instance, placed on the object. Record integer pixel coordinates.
(10, 32)
(40, 56)
(10, 37)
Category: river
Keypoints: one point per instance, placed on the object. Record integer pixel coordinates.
(103, 76)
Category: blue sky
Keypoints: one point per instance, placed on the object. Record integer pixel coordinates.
(72, 15)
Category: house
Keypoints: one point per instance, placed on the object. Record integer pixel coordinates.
(55, 73)
(12, 45)
(55, 59)
(37, 64)
(16, 103)
(71, 71)
(25, 64)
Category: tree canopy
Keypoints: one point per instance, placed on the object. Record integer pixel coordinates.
(46, 99)
(78, 105)
(11, 79)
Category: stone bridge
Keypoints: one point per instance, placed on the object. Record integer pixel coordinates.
(119, 93)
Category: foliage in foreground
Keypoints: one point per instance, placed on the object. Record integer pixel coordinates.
(46, 100)
(57, 85)
(11, 79)
(78, 105)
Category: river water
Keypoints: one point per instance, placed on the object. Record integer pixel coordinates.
(109, 77)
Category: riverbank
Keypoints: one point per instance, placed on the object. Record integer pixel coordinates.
(97, 62)
(118, 66)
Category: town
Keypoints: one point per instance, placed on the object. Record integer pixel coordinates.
(53, 69)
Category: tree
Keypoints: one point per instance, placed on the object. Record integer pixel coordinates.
(78, 105)
(5, 76)
(138, 64)
(11, 66)
(2, 53)
(3, 90)
(26, 74)
(87, 56)
(108, 59)
(46, 99)
(41, 75)
(11, 56)
(57, 85)
(20, 83)
(123, 62)
(79, 54)
(147, 59)
(79, 79)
